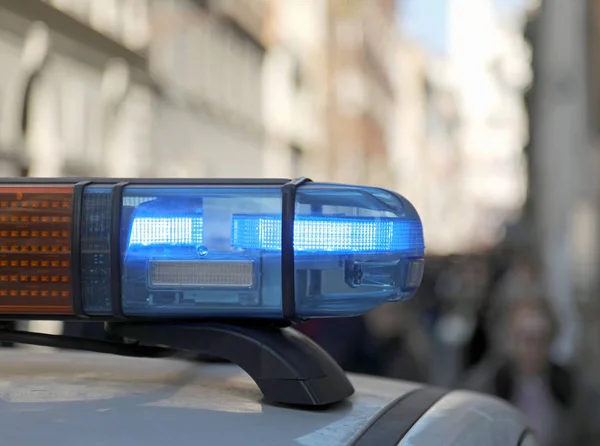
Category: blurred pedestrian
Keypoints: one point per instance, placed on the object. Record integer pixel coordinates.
(379, 343)
(396, 345)
(497, 265)
(562, 409)
(520, 280)
(461, 286)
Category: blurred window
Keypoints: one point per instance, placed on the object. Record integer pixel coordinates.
(126, 21)
(105, 17)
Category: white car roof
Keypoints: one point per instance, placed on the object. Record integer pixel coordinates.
(65, 398)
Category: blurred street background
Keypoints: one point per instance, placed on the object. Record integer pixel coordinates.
(485, 114)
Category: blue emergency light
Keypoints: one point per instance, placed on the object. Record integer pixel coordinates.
(218, 252)
(233, 250)
(250, 254)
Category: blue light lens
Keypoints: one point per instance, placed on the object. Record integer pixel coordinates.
(215, 251)
(174, 231)
(342, 235)
(355, 248)
(179, 260)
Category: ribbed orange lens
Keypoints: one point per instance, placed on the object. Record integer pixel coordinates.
(35, 250)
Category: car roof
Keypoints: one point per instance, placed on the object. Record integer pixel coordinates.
(73, 398)
(105, 399)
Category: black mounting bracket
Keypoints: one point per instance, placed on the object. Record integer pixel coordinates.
(287, 366)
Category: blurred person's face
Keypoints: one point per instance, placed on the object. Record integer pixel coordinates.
(530, 338)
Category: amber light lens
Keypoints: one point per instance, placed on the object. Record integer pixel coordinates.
(35, 250)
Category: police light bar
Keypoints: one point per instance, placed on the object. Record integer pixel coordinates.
(283, 250)
(220, 267)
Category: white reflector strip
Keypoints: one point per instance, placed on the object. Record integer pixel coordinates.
(204, 273)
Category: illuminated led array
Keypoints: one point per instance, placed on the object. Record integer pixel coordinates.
(35, 263)
(329, 234)
(35, 204)
(35, 249)
(174, 231)
(24, 278)
(202, 273)
(33, 219)
(35, 234)
(33, 293)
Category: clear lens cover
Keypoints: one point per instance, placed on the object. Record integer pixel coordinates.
(355, 248)
(216, 251)
(179, 258)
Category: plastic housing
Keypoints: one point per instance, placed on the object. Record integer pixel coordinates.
(217, 251)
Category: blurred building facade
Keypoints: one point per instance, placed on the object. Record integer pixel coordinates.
(409, 136)
(295, 89)
(425, 151)
(134, 87)
(361, 44)
(76, 87)
(461, 126)
(328, 90)
(564, 199)
(589, 282)
(207, 56)
(491, 67)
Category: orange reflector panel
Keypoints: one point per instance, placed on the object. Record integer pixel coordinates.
(35, 250)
